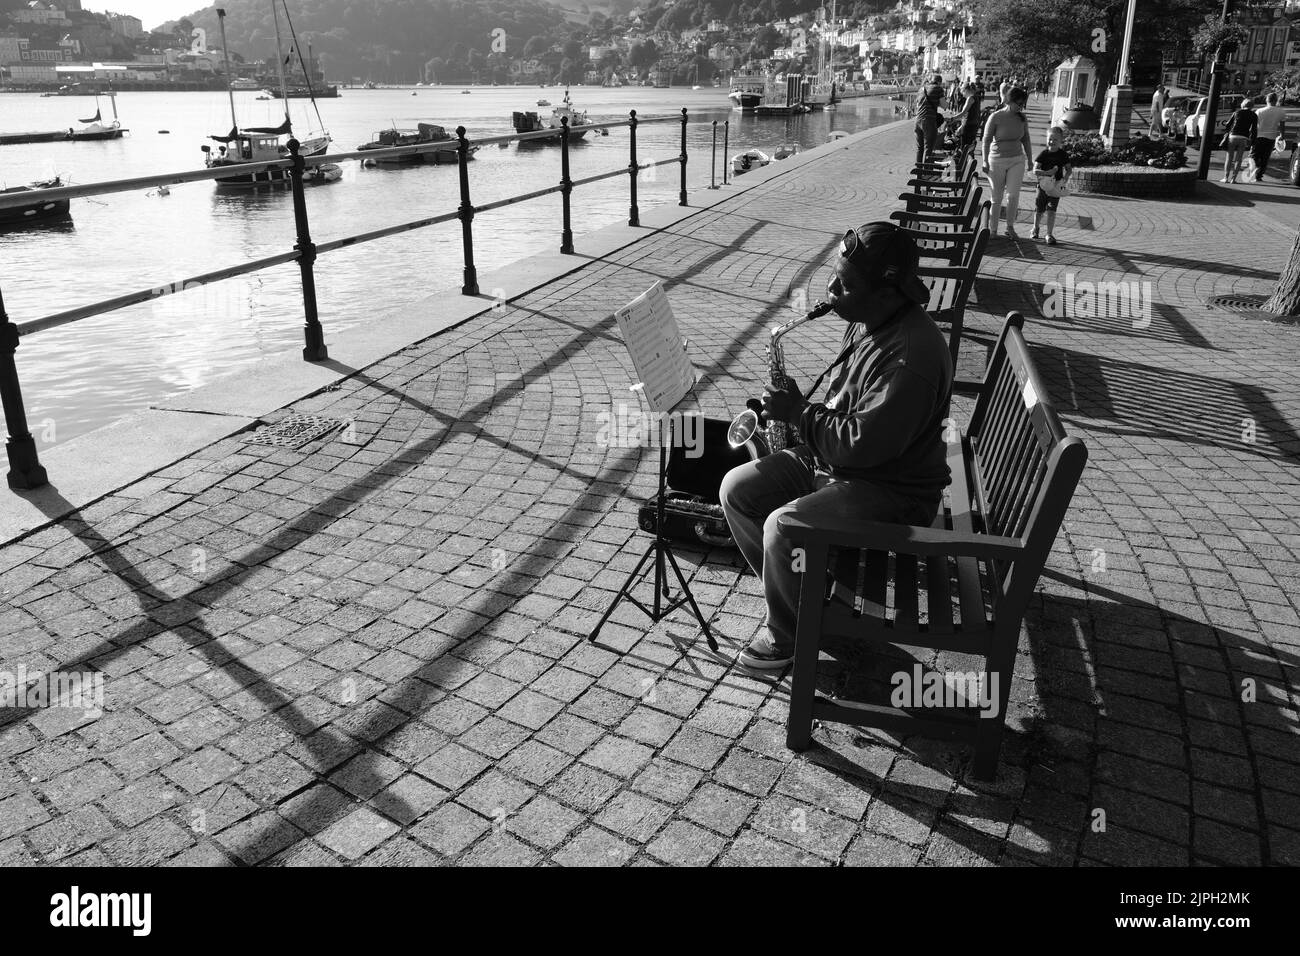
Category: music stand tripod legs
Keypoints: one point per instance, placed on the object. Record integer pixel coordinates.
(660, 549)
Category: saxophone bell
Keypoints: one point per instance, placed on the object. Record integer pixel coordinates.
(748, 426)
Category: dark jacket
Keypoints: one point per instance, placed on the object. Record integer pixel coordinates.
(927, 104)
(1243, 123)
(884, 418)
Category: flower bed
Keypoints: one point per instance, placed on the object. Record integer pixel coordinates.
(1146, 181)
(1142, 167)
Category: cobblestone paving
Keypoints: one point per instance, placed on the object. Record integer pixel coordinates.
(372, 650)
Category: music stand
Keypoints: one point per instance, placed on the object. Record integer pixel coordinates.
(660, 548)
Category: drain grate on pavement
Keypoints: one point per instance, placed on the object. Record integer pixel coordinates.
(294, 431)
(1250, 307)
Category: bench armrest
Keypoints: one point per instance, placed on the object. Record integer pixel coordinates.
(899, 538)
(938, 183)
(939, 218)
(941, 272)
(937, 200)
(954, 237)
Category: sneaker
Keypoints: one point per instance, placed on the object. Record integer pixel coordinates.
(1035, 236)
(762, 655)
(1051, 240)
(1225, 179)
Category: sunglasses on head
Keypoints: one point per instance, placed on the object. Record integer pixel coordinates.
(853, 249)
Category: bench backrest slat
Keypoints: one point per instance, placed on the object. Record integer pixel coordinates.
(1026, 467)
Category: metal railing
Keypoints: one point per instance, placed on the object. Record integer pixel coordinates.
(25, 470)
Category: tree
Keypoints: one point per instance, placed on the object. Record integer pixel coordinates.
(433, 68)
(1285, 299)
(535, 47)
(572, 48)
(1033, 36)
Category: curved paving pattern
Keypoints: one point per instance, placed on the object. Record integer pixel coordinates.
(372, 651)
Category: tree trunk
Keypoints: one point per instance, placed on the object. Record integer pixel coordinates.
(1286, 297)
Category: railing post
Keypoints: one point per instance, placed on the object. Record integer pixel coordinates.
(566, 188)
(726, 148)
(470, 286)
(25, 469)
(713, 159)
(634, 214)
(682, 198)
(314, 336)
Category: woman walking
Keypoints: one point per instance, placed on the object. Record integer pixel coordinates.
(1008, 155)
(1242, 126)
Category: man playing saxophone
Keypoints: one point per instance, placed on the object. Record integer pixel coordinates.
(874, 450)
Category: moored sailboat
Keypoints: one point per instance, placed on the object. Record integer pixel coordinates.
(95, 127)
(261, 144)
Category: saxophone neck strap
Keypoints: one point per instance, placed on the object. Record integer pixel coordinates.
(853, 344)
(839, 360)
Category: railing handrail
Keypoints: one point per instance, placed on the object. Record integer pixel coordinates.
(26, 471)
(13, 200)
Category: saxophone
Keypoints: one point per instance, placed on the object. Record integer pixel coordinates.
(749, 423)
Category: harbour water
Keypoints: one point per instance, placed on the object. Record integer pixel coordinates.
(88, 374)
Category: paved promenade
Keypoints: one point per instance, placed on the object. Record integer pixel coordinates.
(372, 650)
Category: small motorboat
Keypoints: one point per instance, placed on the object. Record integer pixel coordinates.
(530, 122)
(543, 102)
(322, 174)
(464, 92)
(39, 210)
(422, 134)
(263, 97)
(749, 159)
(786, 150)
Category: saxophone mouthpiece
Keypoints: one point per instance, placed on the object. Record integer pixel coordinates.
(819, 309)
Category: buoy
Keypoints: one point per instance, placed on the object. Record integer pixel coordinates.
(164, 191)
(164, 132)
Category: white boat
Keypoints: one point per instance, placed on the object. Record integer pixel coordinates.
(261, 144)
(530, 122)
(749, 159)
(747, 89)
(96, 128)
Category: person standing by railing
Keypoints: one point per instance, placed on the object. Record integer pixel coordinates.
(1008, 155)
(927, 117)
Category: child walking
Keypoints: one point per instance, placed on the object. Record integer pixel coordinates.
(1052, 167)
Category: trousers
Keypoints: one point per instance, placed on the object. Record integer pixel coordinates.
(927, 131)
(1006, 176)
(756, 494)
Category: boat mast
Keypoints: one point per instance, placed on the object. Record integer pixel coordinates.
(279, 59)
(225, 52)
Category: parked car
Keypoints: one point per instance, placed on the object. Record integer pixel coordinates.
(1194, 124)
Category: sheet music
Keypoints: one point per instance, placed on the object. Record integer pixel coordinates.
(657, 348)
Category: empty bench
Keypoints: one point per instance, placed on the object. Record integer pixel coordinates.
(960, 585)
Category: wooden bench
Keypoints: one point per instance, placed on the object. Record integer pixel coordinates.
(939, 236)
(952, 216)
(958, 161)
(950, 285)
(960, 585)
(939, 195)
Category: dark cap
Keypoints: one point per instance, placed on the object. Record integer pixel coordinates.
(886, 254)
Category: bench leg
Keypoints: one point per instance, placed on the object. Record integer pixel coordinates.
(803, 689)
(988, 735)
